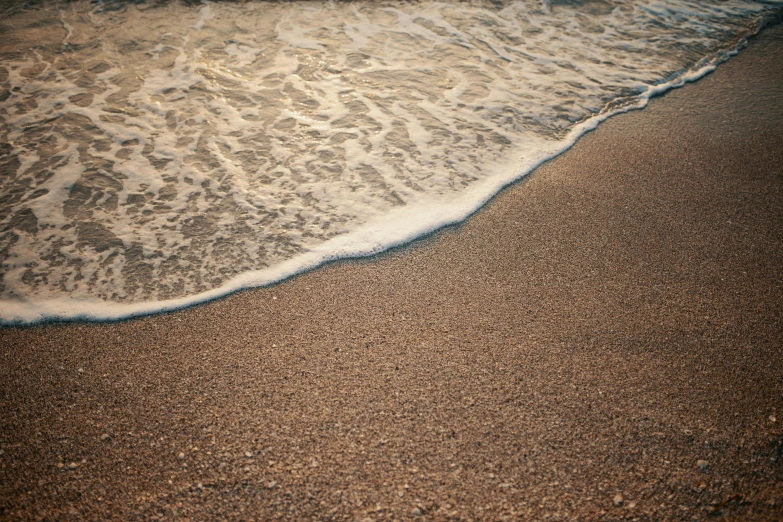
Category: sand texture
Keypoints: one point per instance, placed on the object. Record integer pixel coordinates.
(602, 341)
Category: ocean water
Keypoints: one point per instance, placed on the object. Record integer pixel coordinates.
(158, 155)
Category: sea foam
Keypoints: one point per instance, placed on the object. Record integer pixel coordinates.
(154, 157)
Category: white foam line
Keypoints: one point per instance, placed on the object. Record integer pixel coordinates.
(204, 14)
(409, 223)
(68, 27)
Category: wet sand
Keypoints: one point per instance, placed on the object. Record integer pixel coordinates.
(602, 341)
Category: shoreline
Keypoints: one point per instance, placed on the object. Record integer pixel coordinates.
(375, 236)
(602, 340)
(441, 216)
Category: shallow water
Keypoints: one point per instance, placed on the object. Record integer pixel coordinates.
(156, 155)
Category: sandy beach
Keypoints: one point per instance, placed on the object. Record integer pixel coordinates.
(603, 341)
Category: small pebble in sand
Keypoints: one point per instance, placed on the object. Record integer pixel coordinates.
(271, 485)
(249, 454)
(181, 456)
(73, 465)
(618, 500)
(416, 512)
(105, 437)
(702, 464)
(772, 418)
(80, 370)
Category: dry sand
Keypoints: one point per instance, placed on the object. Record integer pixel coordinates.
(602, 341)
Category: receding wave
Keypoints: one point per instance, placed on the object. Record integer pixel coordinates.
(153, 156)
